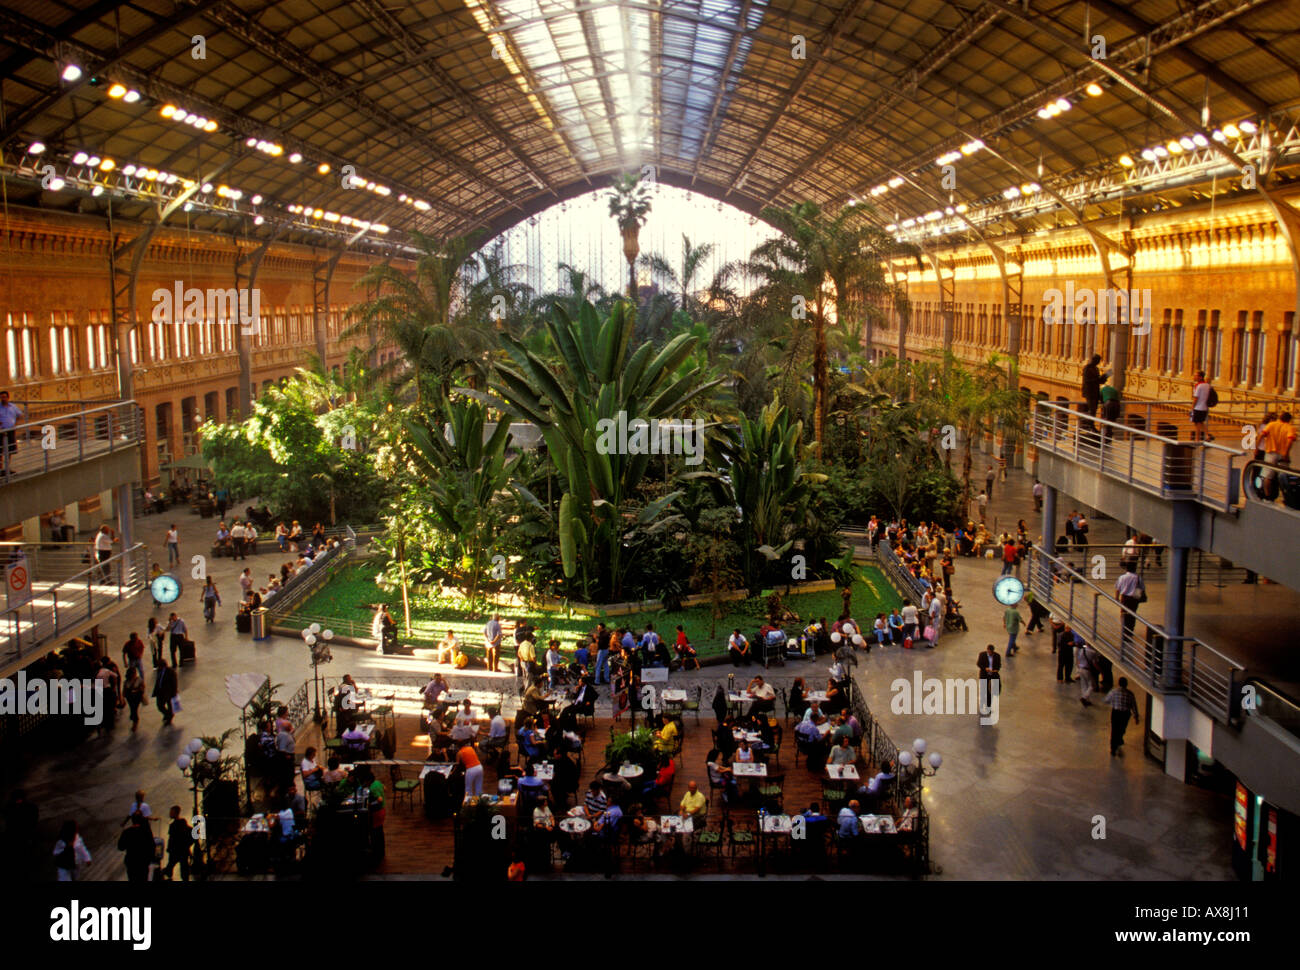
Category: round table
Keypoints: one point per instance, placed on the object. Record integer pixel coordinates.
(574, 825)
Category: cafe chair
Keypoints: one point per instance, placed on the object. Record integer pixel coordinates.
(709, 840)
(740, 837)
(694, 705)
(405, 786)
(771, 792)
(778, 735)
(835, 799)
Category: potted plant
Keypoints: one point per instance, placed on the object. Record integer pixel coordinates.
(635, 747)
(629, 204)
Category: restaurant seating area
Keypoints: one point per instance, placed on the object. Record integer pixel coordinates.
(753, 820)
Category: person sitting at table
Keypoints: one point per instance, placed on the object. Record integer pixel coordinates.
(447, 648)
(835, 699)
(584, 701)
(641, 831)
(530, 786)
(595, 801)
(543, 818)
(529, 743)
(355, 741)
(667, 736)
(694, 805)
(465, 721)
(874, 789)
(433, 692)
(311, 772)
(719, 704)
(764, 696)
(814, 745)
(796, 701)
(662, 782)
(744, 753)
(814, 713)
(843, 754)
(847, 825)
(721, 776)
(841, 730)
(813, 814)
(855, 728)
(907, 821)
(334, 775)
(738, 648)
(533, 702)
(607, 824)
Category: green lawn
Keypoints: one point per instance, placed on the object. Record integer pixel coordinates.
(345, 597)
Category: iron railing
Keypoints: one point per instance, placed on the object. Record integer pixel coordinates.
(1203, 568)
(55, 610)
(899, 576)
(56, 440)
(1210, 679)
(1156, 462)
(305, 582)
(1271, 703)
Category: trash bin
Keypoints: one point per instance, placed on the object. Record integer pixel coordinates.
(260, 625)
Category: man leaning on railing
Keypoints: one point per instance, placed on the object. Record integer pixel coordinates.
(10, 415)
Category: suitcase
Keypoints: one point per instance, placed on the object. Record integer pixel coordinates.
(243, 622)
(187, 651)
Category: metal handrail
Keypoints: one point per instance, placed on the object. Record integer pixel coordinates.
(907, 585)
(1208, 677)
(95, 431)
(1168, 467)
(52, 611)
(1273, 704)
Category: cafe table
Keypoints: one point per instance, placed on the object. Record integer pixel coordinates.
(824, 728)
(654, 675)
(455, 696)
(442, 769)
(674, 696)
(575, 825)
(753, 737)
(630, 772)
(544, 770)
(749, 769)
(256, 825)
(676, 824)
(877, 824)
(842, 772)
(816, 695)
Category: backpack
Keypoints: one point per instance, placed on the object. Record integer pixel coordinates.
(1212, 401)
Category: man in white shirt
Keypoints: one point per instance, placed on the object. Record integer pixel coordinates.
(237, 536)
(492, 641)
(104, 550)
(139, 805)
(738, 648)
(936, 616)
(1200, 405)
(764, 695)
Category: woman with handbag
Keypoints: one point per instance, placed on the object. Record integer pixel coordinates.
(211, 600)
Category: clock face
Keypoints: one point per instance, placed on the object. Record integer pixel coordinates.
(1008, 590)
(166, 589)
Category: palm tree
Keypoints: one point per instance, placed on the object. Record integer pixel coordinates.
(815, 249)
(629, 204)
(684, 280)
(415, 313)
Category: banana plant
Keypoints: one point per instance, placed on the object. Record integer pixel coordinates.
(766, 483)
(601, 375)
(465, 475)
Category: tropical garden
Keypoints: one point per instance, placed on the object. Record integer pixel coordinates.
(479, 449)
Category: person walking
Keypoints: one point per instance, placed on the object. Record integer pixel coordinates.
(1008, 556)
(137, 842)
(982, 502)
(223, 501)
(103, 543)
(990, 665)
(1132, 593)
(1011, 623)
(177, 630)
(180, 840)
(1086, 666)
(1038, 495)
(70, 852)
(1063, 647)
(1203, 398)
(133, 654)
(1037, 613)
(211, 600)
(133, 691)
(1122, 705)
(173, 543)
(165, 690)
(989, 476)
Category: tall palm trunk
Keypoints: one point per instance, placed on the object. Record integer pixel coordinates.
(819, 378)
